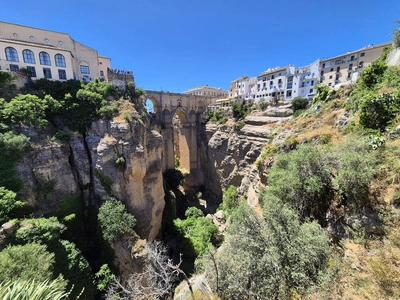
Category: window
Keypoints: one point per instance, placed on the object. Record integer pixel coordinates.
(348, 75)
(330, 84)
(330, 77)
(289, 85)
(331, 69)
(44, 59)
(322, 73)
(323, 65)
(273, 77)
(31, 71)
(350, 66)
(311, 90)
(338, 69)
(101, 73)
(362, 54)
(271, 82)
(62, 74)
(361, 64)
(85, 70)
(60, 60)
(338, 62)
(29, 57)
(14, 68)
(279, 81)
(337, 76)
(47, 72)
(302, 85)
(289, 94)
(352, 58)
(11, 54)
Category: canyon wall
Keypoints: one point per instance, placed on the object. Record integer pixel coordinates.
(87, 165)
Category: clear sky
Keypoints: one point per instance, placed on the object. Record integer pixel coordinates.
(174, 45)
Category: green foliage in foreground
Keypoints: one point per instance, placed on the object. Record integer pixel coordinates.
(270, 256)
(33, 289)
(114, 219)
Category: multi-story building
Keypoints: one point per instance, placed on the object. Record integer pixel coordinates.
(306, 78)
(48, 54)
(345, 68)
(243, 88)
(205, 90)
(273, 82)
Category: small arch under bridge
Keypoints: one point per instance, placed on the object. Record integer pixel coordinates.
(181, 115)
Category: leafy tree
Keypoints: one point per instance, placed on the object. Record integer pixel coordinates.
(25, 109)
(230, 200)
(8, 204)
(377, 113)
(193, 212)
(268, 257)
(239, 110)
(29, 262)
(355, 165)
(198, 230)
(302, 178)
(299, 103)
(114, 219)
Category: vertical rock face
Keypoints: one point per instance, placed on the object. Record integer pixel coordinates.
(230, 157)
(88, 165)
(138, 179)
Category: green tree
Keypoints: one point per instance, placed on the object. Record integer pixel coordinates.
(230, 200)
(26, 109)
(267, 257)
(355, 165)
(29, 262)
(239, 110)
(5, 77)
(114, 219)
(302, 178)
(299, 103)
(8, 204)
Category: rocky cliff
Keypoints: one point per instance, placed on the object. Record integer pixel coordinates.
(88, 165)
(231, 152)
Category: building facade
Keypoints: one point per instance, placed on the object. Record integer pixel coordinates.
(205, 90)
(48, 54)
(289, 82)
(345, 68)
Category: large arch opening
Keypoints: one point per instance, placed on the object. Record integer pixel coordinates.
(181, 140)
(151, 104)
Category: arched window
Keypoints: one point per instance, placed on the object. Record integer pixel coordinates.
(60, 60)
(44, 58)
(11, 54)
(29, 57)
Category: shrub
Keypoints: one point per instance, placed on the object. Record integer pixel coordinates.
(322, 93)
(239, 125)
(290, 255)
(299, 103)
(193, 212)
(114, 220)
(120, 163)
(377, 113)
(28, 262)
(62, 136)
(8, 205)
(230, 200)
(105, 181)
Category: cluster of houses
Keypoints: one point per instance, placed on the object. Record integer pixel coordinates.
(56, 56)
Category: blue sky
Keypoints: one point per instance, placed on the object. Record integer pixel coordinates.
(174, 45)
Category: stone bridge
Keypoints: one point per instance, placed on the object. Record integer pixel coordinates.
(180, 116)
